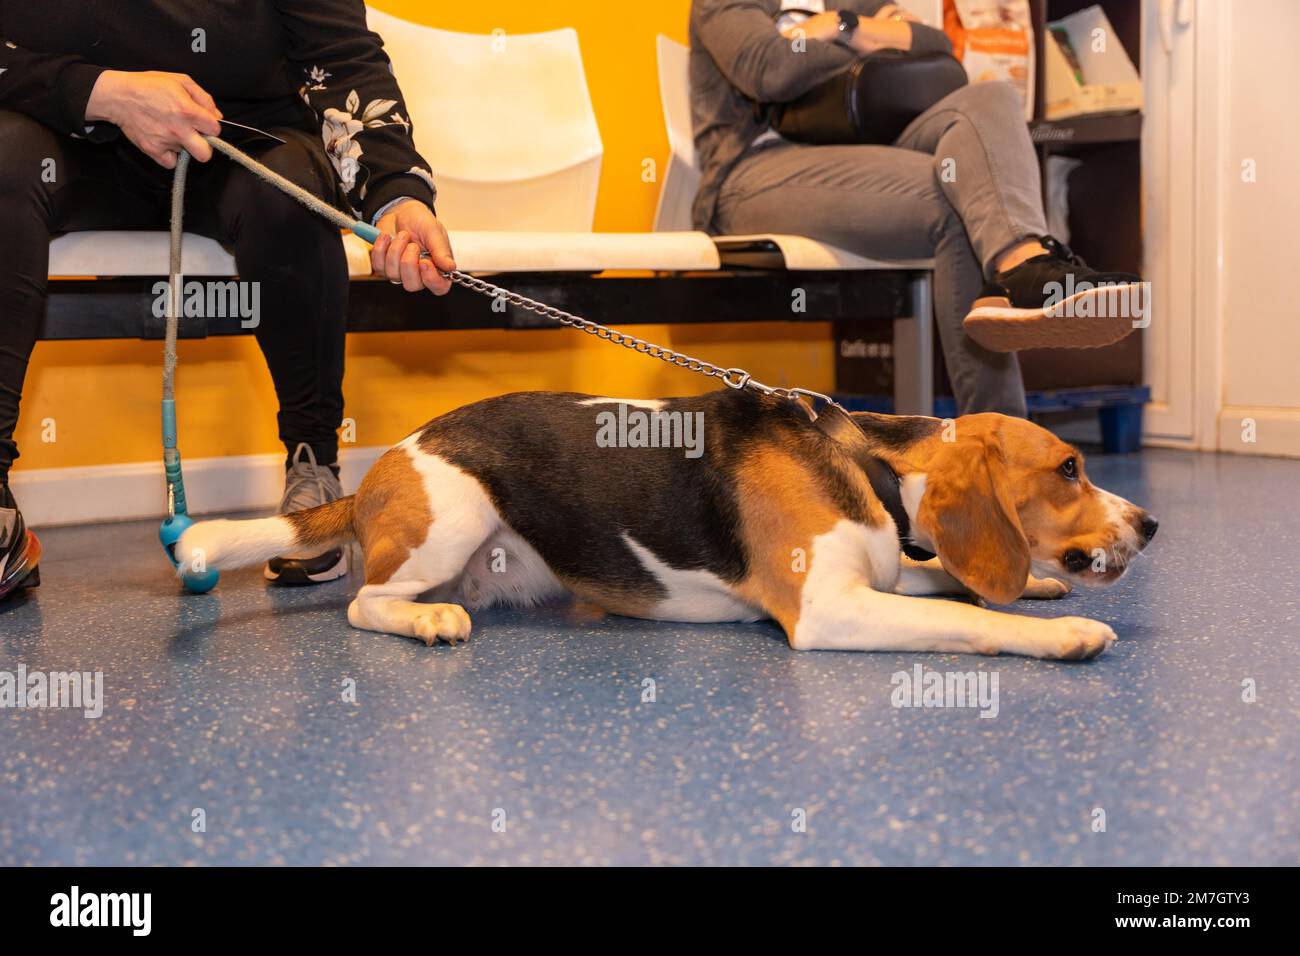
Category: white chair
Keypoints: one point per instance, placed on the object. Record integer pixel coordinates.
(506, 121)
(681, 179)
(913, 337)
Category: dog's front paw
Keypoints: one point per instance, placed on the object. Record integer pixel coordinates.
(447, 622)
(1077, 639)
(1045, 589)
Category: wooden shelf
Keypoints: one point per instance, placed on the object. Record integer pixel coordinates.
(1084, 130)
(1105, 200)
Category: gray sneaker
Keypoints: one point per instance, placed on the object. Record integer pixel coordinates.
(306, 485)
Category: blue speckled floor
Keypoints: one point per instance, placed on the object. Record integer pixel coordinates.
(232, 703)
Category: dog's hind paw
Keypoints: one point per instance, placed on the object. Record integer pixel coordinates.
(446, 622)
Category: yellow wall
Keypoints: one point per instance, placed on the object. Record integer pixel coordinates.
(103, 396)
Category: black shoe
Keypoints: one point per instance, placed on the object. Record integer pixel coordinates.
(20, 551)
(1055, 301)
(306, 485)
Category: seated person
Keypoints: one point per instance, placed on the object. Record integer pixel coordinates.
(983, 224)
(108, 109)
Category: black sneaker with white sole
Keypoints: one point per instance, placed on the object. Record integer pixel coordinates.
(1055, 301)
(20, 551)
(306, 485)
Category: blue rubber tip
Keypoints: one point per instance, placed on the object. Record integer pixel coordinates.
(200, 582)
(169, 532)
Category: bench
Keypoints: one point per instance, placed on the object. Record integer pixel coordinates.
(510, 125)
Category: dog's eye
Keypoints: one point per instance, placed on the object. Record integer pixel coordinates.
(1070, 469)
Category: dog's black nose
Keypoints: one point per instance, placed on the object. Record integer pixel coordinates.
(1149, 526)
(1076, 560)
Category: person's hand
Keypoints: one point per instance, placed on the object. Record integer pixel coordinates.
(881, 31)
(888, 29)
(406, 229)
(161, 113)
(820, 26)
(892, 11)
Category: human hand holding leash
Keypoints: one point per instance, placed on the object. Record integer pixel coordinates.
(161, 113)
(405, 230)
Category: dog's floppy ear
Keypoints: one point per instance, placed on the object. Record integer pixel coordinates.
(970, 513)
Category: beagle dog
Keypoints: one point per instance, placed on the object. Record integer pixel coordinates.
(730, 506)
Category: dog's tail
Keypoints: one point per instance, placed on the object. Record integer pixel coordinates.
(226, 544)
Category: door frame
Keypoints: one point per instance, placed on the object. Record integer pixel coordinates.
(1180, 197)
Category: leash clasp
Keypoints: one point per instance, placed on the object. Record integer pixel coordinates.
(812, 408)
(739, 378)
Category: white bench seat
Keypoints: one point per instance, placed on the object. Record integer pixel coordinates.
(130, 253)
(583, 251)
(133, 253)
(110, 253)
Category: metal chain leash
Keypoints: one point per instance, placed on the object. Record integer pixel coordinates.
(731, 377)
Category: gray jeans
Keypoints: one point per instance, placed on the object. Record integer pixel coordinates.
(960, 185)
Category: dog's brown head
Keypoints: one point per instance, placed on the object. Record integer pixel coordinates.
(1003, 495)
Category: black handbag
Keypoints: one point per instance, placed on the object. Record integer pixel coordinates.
(870, 102)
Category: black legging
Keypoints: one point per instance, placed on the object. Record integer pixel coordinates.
(295, 256)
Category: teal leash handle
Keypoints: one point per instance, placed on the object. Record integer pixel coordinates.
(171, 453)
(172, 461)
(369, 233)
(178, 519)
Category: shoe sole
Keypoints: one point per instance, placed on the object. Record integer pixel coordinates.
(32, 578)
(299, 576)
(1000, 327)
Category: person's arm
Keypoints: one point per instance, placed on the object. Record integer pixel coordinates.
(756, 59)
(888, 26)
(904, 27)
(347, 81)
(51, 88)
(159, 112)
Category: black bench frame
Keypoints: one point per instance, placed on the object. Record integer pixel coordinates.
(122, 308)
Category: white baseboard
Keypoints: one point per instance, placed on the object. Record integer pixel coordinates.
(1276, 431)
(60, 496)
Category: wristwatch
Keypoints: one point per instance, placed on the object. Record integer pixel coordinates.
(848, 26)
